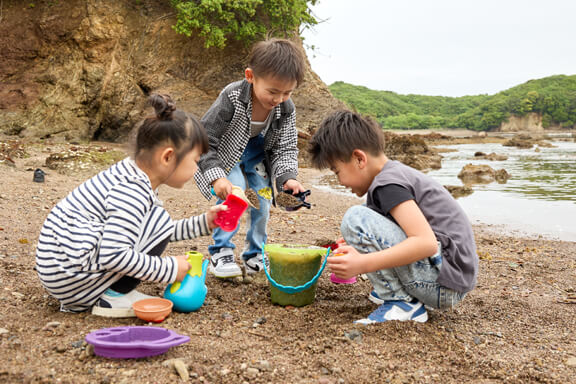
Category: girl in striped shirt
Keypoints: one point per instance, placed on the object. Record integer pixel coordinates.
(107, 235)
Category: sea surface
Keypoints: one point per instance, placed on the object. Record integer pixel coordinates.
(539, 199)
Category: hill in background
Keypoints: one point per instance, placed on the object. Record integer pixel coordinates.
(548, 103)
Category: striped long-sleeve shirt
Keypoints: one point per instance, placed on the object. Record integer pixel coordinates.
(102, 231)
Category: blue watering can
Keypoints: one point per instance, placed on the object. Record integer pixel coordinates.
(189, 295)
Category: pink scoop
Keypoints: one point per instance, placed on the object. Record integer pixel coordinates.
(228, 220)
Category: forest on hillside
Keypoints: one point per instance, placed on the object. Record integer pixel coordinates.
(554, 98)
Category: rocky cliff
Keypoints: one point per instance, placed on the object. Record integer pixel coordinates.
(81, 69)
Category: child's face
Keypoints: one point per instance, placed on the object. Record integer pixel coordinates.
(269, 91)
(350, 175)
(185, 170)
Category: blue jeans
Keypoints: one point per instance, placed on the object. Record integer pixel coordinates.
(249, 172)
(368, 231)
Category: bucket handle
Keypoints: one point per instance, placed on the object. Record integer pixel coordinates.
(288, 288)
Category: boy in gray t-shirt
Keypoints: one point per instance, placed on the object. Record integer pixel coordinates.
(412, 239)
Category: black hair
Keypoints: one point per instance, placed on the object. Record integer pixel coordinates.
(278, 57)
(169, 125)
(342, 132)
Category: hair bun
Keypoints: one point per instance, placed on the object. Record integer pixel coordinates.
(163, 106)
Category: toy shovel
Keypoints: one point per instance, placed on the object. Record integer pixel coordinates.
(290, 202)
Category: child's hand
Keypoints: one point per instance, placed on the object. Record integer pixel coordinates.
(222, 188)
(213, 213)
(183, 267)
(346, 262)
(293, 185)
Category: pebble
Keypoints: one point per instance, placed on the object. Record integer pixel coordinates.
(4, 331)
(179, 366)
(52, 324)
(265, 365)
(252, 372)
(571, 362)
(354, 335)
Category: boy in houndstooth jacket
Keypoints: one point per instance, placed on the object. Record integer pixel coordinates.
(253, 139)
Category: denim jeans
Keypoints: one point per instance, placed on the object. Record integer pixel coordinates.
(249, 172)
(368, 231)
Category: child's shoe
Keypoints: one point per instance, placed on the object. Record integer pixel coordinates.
(397, 310)
(222, 264)
(373, 297)
(253, 265)
(115, 304)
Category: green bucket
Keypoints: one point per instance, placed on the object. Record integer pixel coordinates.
(293, 265)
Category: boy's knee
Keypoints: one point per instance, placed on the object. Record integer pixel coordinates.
(353, 218)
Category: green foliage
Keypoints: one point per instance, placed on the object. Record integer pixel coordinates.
(216, 21)
(553, 97)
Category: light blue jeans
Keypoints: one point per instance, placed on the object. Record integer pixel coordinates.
(368, 231)
(249, 172)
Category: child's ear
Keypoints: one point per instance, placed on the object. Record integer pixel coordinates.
(249, 74)
(166, 155)
(359, 158)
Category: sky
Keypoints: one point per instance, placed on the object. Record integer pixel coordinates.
(442, 47)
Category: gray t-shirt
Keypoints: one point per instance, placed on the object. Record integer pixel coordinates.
(446, 218)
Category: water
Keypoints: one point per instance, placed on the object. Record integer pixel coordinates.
(538, 200)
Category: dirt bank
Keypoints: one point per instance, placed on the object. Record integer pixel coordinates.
(516, 327)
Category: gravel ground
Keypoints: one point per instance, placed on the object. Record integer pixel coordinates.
(517, 326)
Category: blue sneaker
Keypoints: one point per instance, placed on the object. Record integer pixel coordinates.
(373, 297)
(397, 310)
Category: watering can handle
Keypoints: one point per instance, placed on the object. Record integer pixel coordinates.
(204, 269)
(293, 289)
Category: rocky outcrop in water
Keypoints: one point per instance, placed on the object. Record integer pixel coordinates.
(412, 150)
(482, 174)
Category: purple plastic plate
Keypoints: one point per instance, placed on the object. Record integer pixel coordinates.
(133, 342)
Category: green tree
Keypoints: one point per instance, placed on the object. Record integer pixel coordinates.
(217, 21)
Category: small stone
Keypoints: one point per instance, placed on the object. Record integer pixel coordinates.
(571, 362)
(4, 331)
(252, 372)
(181, 369)
(77, 344)
(50, 325)
(354, 335)
(265, 365)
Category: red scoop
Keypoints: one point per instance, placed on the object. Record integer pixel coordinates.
(228, 220)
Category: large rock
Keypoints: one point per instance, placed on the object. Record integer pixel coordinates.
(82, 69)
(482, 174)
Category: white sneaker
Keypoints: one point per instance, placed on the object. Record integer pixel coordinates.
(253, 265)
(397, 310)
(114, 304)
(222, 264)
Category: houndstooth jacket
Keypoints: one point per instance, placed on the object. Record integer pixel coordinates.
(228, 125)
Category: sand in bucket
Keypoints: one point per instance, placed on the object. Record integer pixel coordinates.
(294, 265)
